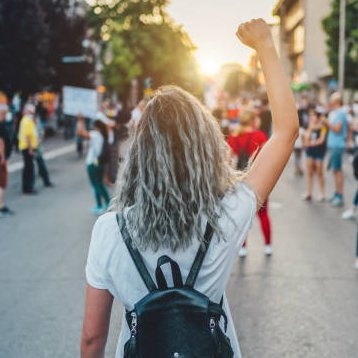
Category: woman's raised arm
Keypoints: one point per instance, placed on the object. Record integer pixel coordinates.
(270, 162)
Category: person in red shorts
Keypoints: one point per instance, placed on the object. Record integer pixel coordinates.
(245, 145)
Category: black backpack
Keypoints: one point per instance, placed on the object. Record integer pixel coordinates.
(244, 156)
(174, 322)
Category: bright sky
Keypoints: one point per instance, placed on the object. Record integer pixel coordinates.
(212, 25)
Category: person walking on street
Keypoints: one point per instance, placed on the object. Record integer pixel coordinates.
(42, 167)
(265, 118)
(136, 115)
(177, 179)
(246, 144)
(97, 158)
(5, 150)
(337, 124)
(28, 143)
(314, 141)
(111, 167)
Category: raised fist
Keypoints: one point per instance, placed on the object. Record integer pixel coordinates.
(255, 33)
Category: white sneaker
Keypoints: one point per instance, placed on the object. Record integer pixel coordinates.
(356, 264)
(348, 214)
(268, 250)
(242, 252)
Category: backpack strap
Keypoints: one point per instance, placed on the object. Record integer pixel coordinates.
(136, 256)
(176, 274)
(199, 258)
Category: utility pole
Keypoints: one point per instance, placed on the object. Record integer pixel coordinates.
(342, 45)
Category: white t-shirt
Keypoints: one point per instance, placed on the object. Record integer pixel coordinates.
(94, 147)
(110, 267)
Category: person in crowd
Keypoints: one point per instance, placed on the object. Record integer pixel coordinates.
(224, 123)
(42, 116)
(5, 150)
(265, 118)
(136, 115)
(43, 171)
(178, 176)
(110, 124)
(304, 119)
(336, 142)
(298, 152)
(28, 143)
(97, 158)
(351, 213)
(245, 144)
(314, 141)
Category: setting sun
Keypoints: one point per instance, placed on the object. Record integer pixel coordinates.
(209, 66)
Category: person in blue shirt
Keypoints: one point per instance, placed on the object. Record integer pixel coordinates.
(337, 124)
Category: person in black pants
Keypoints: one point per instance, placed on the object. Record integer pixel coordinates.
(28, 144)
(43, 172)
(28, 173)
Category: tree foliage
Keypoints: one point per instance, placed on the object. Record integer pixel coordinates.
(68, 27)
(34, 36)
(238, 81)
(331, 27)
(23, 46)
(144, 42)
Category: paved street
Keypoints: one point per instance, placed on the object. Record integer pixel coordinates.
(302, 302)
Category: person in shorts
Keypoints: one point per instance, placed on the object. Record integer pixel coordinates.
(5, 150)
(315, 144)
(337, 124)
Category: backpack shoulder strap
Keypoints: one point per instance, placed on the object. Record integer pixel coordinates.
(199, 258)
(136, 256)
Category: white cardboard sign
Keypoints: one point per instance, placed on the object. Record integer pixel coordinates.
(80, 100)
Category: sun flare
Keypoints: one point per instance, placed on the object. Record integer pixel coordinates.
(209, 66)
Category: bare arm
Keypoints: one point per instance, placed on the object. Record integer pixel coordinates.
(81, 129)
(321, 138)
(271, 161)
(2, 151)
(96, 320)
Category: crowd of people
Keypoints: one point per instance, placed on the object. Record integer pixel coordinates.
(22, 130)
(326, 133)
(24, 124)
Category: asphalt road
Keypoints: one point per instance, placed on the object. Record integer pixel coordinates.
(301, 302)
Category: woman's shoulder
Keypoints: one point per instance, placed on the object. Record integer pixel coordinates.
(105, 232)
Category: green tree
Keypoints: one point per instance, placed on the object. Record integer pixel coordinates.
(23, 46)
(68, 26)
(331, 27)
(237, 81)
(144, 42)
(34, 36)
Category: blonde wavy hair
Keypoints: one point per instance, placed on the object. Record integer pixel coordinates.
(175, 173)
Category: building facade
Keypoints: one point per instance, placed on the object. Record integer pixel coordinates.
(303, 43)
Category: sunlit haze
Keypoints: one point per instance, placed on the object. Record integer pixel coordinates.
(212, 27)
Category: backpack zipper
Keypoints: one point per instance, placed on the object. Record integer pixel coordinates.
(133, 324)
(212, 324)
